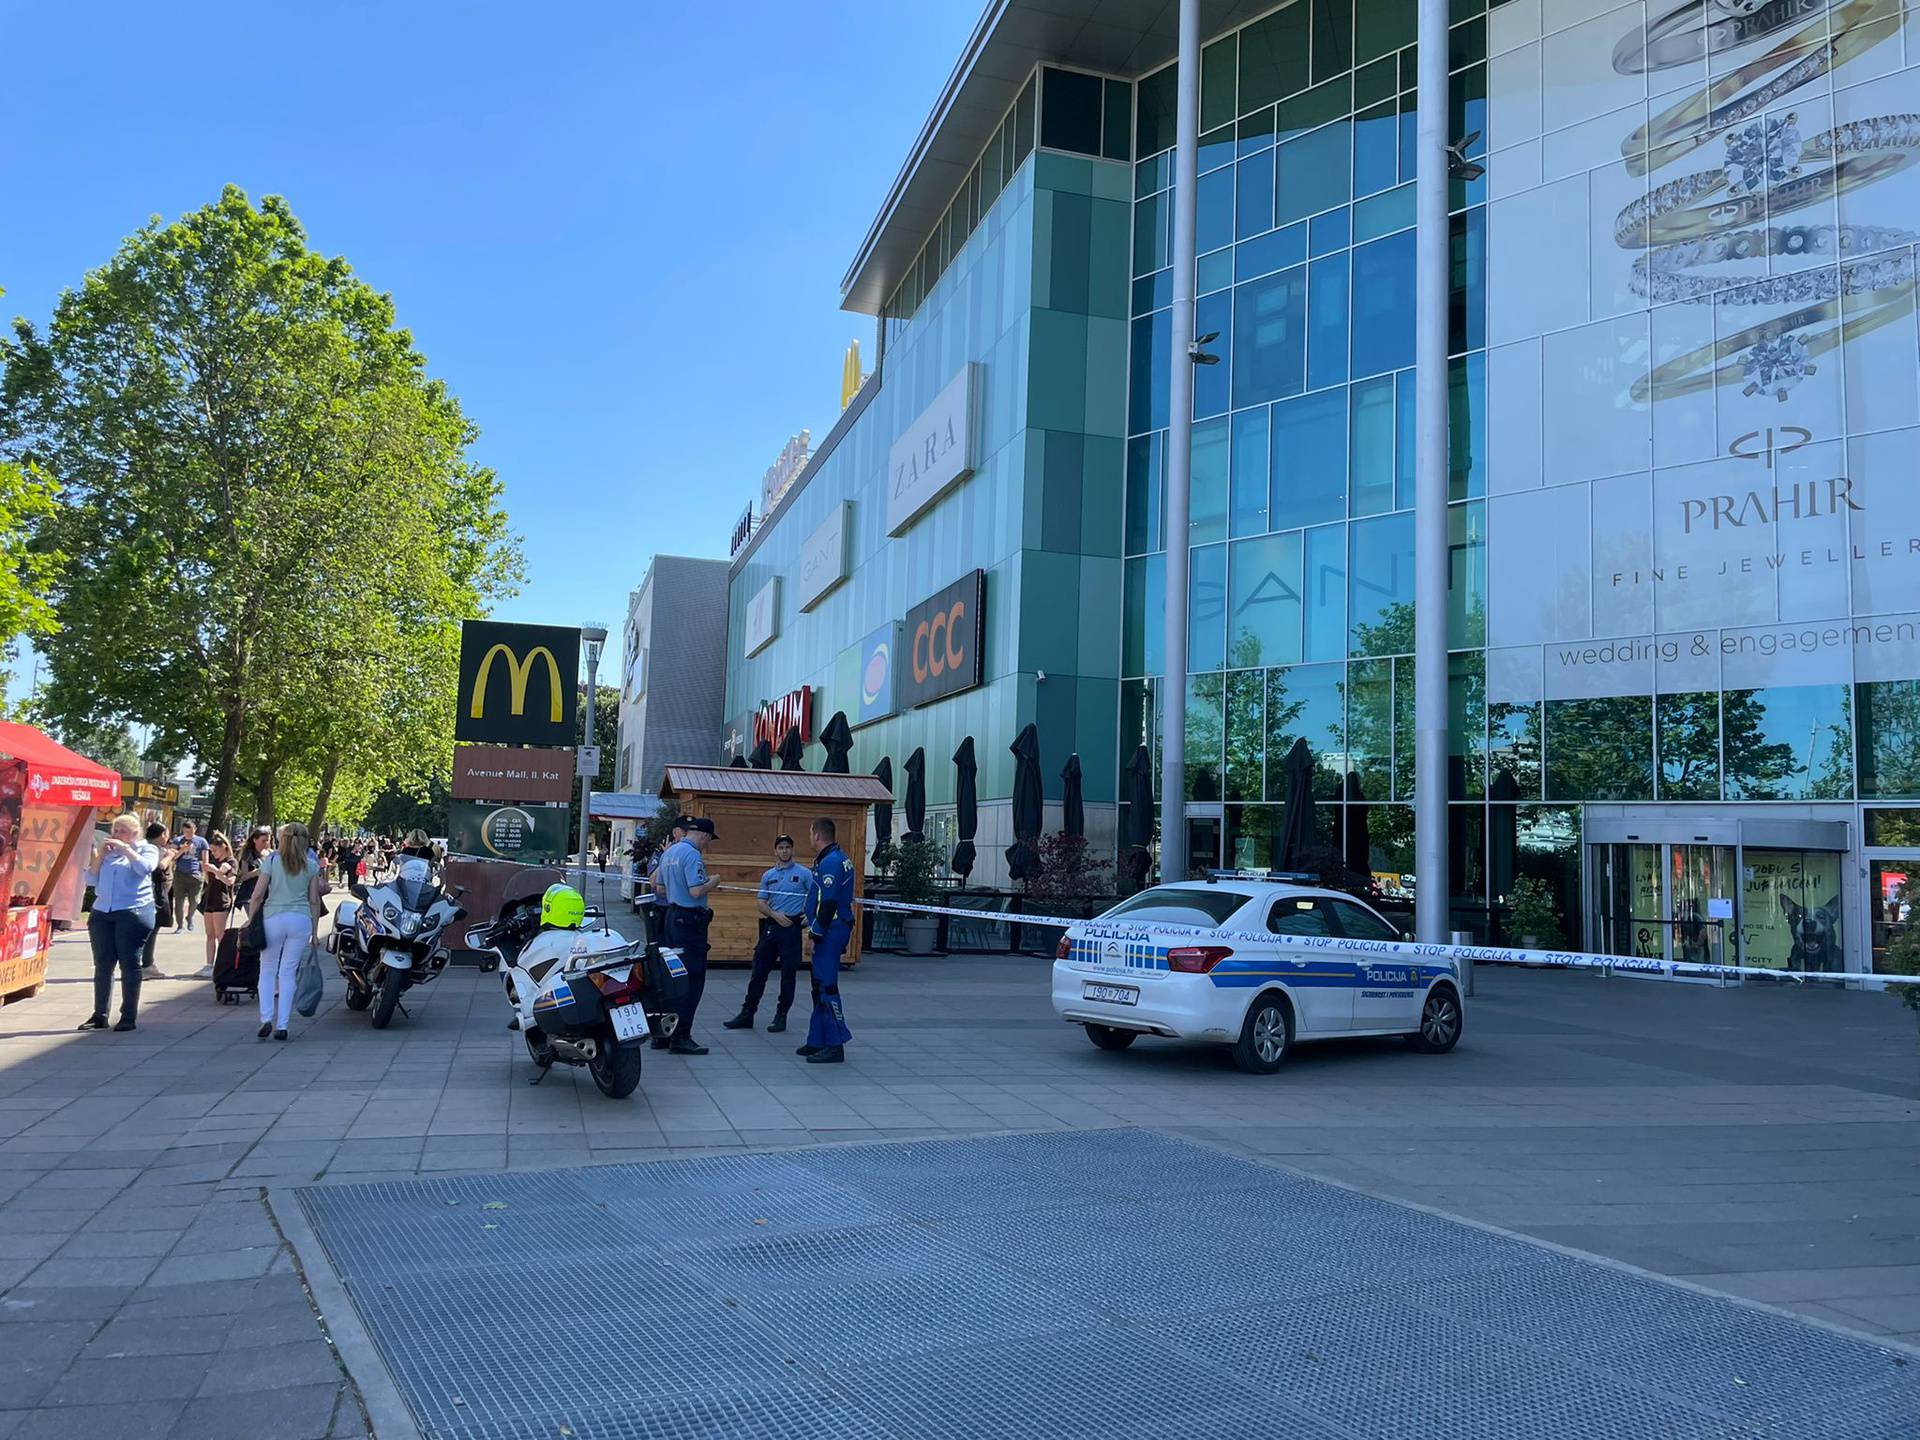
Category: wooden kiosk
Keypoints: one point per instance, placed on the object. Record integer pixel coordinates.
(748, 809)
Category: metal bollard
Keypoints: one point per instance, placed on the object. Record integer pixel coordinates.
(1464, 937)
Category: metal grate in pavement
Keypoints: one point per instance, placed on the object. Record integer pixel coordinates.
(1072, 1285)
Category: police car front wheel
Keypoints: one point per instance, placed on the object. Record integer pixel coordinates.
(1108, 1038)
(1266, 1036)
(1440, 1023)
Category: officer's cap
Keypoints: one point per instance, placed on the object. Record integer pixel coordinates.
(700, 822)
(783, 840)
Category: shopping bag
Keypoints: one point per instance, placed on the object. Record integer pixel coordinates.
(307, 982)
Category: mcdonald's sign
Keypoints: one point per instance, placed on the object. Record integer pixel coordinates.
(518, 683)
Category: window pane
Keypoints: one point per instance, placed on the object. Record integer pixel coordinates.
(1023, 124)
(1332, 37)
(1070, 111)
(1117, 122)
(1404, 411)
(1246, 734)
(1600, 749)
(1890, 741)
(1467, 870)
(1269, 337)
(1467, 427)
(1370, 726)
(1790, 915)
(1376, 150)
(1206, 733)
(1327, 593)
(1330, 232)
(1249, 499)
(1153, 292)
(1253, 190)
(1254, 133)
(1467, 576)
(1313, 108)
(1264, 609)
(1272, 251)
(1327, 322)
(1308, 702)
(1207, 609)
(1153, 233)
(1212, 272)
(1513, 751)
(1143, 639)
(1467, 726)
(1383, 304)
(1788, 742)
(1380, 587)
(1146, 492)
(1212, 384)
(1403, 744)
(1373, 436)
(1213, 215)
(1216, 148)
(1314, 171)
(1688, 736)
(1467, 293)
(1207, 504)
(1250, 835)
(1218, 64)
(1273, 57)
(1147, 393)
(1310, 459)
(1155, 105)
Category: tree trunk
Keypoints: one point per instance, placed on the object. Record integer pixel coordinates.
(229, 763)
(263, 795)
(325, 797)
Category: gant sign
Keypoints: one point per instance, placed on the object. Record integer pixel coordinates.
(934, 453)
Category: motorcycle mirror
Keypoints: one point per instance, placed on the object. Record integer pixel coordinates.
(357, 890)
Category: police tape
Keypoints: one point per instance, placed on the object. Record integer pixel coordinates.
(1140, 938)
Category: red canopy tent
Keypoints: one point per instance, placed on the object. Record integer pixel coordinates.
(48, 796)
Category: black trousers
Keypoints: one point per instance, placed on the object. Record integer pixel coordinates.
(117, 937)
(687, 932)
(779, 945)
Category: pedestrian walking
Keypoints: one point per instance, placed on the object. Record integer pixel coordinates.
(121, 873)
(218, 883)
(162, 892)
(189, 855)
(683, 875)
(782, 903)
(292, 905)
(829, 927)
(259, 846)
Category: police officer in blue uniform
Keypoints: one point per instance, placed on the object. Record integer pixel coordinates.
(684, 879)
(829, 926)
(782, 902)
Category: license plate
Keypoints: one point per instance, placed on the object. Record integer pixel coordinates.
(1112, 994)
(629, 1021)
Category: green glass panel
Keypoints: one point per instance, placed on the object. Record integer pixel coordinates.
(1513, 751)
(1207, 510)
(1246, 695)
(1787, 742)
(1403, 730)
(1273, 57)
(1380, 585)
(1150, 362)
(1313, 108)
(1117, 122)
(1467, 575)
(1309, 478)
(1369, 686)
(1372, 445)
(1383, 26)
(1308, 702)
(1155, 173)
(1467, 726)
(1467, 295)
(1264, 606)
(1023, 124)
(1272, 251)
(1250, 833)
(1153, 292)
(1255, 132)
(1890, 742)
(1248, 505)
(1376, 82)
(1383, 214)
(1218, 65)
(1216, 148)
(1466, 44)
(1153, 233)
(1143, 637)
(1146, 491)
(1314, 171)
(1212, 272)
(1332, 37)
(1206, 735)
(1070, 110)
(1467, 426)
(1327, 593)
(1156, 107)
(1404, 411)
(1687, 732)
(1600, 749)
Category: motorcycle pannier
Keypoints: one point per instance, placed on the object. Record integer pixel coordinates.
(665, 987)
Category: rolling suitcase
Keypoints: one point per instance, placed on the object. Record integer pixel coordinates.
(236, 967)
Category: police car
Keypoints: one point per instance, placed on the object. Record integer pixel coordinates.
(1255, 961)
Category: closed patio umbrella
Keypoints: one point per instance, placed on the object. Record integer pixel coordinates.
(1503, 836)
(761, 756)
(966, 795)
(1296, 821)
(883, 810)
(791, 749)
(1029, 799)
(916, 768)
(838, 739)
(1139, 859)
(1073, 805)
(738, 762)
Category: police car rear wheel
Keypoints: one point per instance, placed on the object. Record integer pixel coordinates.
(1108, 1038)
(1440, 1023)
(1265, 1038)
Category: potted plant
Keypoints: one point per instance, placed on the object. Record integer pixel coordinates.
(1531, 915)
(915, 863)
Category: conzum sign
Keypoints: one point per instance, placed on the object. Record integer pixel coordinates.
(934, 453)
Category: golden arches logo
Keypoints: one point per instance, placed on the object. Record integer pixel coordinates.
(518, 670)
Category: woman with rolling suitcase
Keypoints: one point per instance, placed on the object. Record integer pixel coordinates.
(220, 872)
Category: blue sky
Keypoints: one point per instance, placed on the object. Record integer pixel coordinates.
(616, 230)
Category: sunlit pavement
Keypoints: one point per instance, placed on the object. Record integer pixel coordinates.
(1762, 1142)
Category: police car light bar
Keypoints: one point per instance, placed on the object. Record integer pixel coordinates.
(1297, 877)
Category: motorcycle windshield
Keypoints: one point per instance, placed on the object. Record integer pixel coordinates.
(416, 895)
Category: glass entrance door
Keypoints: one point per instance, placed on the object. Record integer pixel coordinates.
(1664, 902)
(1893, 902)
(1629, 897)
(1700, 907)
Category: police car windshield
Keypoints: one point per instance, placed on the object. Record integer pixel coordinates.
(1181, 905)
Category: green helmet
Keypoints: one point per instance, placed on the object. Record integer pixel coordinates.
(563, 907)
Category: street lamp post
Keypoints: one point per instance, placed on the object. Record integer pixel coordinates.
(593, 638)
(1431, 245)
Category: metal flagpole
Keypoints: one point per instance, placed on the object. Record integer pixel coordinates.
(1431, 252)
(1173, 688)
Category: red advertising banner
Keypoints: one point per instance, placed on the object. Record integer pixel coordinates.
(25, 934)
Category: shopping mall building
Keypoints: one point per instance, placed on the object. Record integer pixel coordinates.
(1685, 434)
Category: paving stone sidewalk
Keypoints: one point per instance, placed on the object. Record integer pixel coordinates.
(1760, 1141)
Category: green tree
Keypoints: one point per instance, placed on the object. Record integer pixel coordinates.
(257, 473)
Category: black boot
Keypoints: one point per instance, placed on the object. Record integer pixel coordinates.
(779, 1023)
(742, 1021)
(684, 1045)
(831, 1055)
(808, 1050)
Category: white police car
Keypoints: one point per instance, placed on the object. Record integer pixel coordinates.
(1256, 962)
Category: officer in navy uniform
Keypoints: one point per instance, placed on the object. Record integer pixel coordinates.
(829, 927)
(683, 877)
(782, 902)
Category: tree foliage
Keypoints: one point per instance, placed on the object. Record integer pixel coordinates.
(273, 525)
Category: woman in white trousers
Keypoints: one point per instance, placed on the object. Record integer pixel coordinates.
(291, 901)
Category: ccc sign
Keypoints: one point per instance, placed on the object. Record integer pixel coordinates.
(517, 683)
(943, 638)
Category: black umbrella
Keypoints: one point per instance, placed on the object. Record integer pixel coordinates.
(1139, 859)
(791, 749)
(1296, 836)
(838, 738)
(916, 768)
(1503, 835)
(739, 762)
(1073, 805)
(883, 811)
(966, 794)
(1029, 798)
(761, 756)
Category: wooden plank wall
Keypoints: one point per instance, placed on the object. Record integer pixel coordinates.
(742, 849)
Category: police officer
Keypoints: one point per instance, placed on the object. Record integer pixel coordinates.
(782, 902)
(829, 927)
(683, 876)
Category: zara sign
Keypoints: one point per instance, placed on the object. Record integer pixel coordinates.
(934, 453)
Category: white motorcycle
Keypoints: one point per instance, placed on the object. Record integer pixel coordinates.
(583, 996)
(386, 939)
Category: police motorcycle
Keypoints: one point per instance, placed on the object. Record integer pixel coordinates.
(387, 938)
(580, 995)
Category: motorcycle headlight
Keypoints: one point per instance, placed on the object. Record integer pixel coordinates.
(410, 923)
(391, 911)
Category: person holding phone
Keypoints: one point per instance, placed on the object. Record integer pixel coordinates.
(121, 872)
